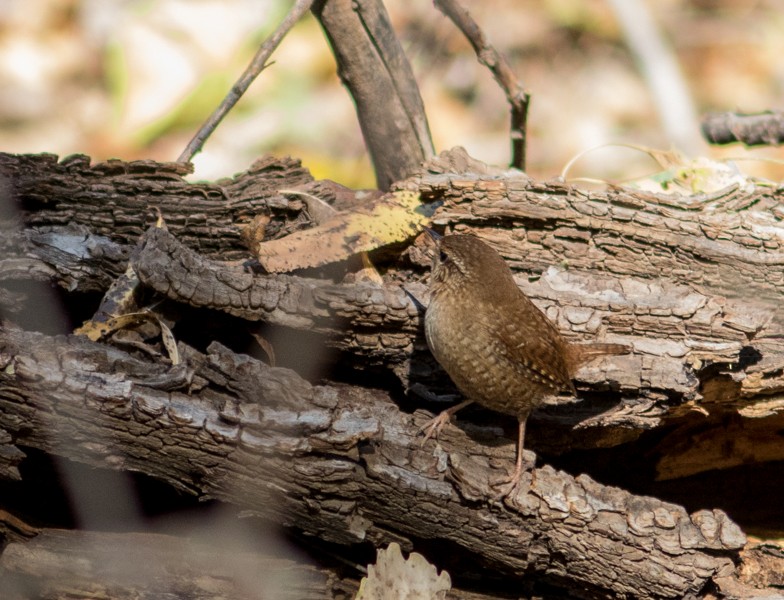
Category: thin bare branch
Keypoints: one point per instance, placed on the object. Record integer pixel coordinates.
(257, 65)
(516, 95)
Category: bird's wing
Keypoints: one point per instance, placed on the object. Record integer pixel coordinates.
(544, 354)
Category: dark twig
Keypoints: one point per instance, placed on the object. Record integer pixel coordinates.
(758, 129)
(257, 65)
(516, 95)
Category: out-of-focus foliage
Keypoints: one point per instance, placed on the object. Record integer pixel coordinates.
(134, 78)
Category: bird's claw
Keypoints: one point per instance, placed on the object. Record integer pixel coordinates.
(514, 480)
(433, 427)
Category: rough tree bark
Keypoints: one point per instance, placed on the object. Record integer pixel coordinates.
(341, 461)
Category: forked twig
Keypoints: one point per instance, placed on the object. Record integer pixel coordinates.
(257, 65)
(516, 95)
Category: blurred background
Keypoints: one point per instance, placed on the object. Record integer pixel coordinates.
(135, 78)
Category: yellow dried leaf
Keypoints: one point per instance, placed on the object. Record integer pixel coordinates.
(120, 299)
(95, 330)
(393, 218)
(368, 272)
(169, 342)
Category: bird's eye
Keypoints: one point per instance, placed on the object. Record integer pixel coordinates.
(442, 256)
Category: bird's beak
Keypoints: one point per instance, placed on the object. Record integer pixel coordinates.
(437, 237)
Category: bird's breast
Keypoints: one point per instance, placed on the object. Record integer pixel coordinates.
(478, 361)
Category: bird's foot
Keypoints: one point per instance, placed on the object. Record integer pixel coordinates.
(511, 483)
(433, 427)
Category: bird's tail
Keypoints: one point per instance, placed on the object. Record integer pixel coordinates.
(583, 353)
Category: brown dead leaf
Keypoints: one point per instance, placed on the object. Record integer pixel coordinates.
(254, 232)
(266, 347)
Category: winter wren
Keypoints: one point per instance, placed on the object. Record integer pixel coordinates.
(499, 349)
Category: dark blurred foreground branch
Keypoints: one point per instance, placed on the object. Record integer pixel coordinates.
(59, 563)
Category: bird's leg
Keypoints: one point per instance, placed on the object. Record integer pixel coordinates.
(514, 479)
(433, 427)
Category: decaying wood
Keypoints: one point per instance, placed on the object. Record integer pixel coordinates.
(264, 439)
(382, 324)
(729, 242)
(118, 200)
(10, 457)
(599, 259)
(691, 283)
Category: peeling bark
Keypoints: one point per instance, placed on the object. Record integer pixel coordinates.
(117, 199)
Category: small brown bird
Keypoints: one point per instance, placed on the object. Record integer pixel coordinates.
(497, 346)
